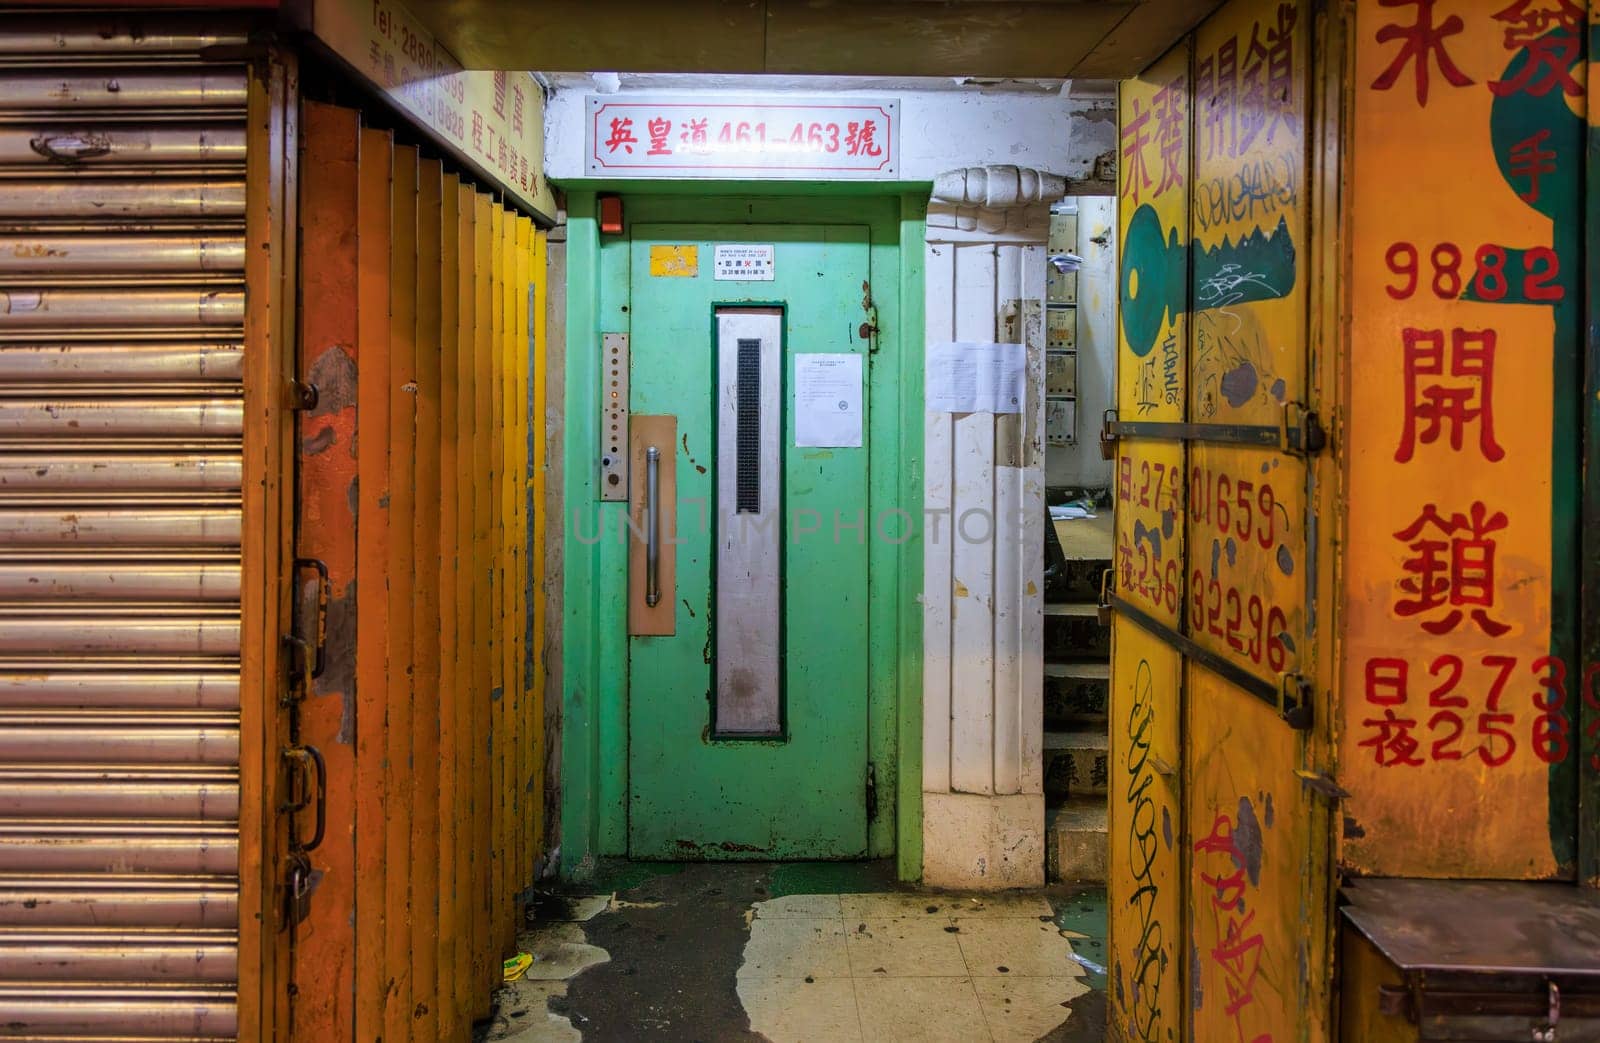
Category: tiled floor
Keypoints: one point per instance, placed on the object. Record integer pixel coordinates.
(881, 967)
(819, 952)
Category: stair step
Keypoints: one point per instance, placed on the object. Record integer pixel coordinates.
(1079, 579)
(1078, 671)
(1076, 844)
(1076, 740)
(1076, 692)
(1077, 722)
(1086, 550)
(1075, 764)
(1072, 631)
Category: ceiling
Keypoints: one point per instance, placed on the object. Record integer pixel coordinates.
(751, 83)
(1012, 39)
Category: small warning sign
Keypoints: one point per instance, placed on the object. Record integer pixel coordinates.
(743, 262)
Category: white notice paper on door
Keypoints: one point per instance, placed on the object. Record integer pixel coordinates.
(963, 377)
(827, 401)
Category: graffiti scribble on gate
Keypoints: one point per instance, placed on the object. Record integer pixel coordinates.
(1233, 874)
(1260, 266)
(1149, 956)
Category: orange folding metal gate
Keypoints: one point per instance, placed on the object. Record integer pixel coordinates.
(420, 328)
(170, 863)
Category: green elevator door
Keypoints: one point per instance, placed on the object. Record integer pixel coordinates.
(748, 722)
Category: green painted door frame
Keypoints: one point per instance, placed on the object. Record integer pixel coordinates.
(594, 729)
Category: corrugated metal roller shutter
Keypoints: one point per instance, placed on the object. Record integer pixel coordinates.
(122, 203)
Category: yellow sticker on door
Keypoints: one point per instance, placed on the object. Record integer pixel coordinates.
(675, 261)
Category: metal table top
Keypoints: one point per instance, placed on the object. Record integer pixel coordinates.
(1492, 927)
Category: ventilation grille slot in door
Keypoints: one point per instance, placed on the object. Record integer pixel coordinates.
(749, 462)
(745, 606)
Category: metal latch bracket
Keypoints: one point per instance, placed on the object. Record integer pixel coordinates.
(1300, 430)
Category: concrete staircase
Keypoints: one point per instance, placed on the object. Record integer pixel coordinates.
(1077, 672)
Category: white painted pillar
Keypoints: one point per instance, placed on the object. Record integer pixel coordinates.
(983, 610)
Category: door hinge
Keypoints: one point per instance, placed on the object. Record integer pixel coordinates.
(872, 792)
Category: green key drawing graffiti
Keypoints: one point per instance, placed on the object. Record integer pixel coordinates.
(1259, 267)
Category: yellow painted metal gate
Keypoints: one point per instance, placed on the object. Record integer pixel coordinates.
(1219, 836)
(129, 586)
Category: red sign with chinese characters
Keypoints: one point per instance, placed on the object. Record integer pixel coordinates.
(706, 137)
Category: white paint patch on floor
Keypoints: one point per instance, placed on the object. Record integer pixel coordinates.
(587, 907)
(879, 967)
(560, 951)
(523, 1014)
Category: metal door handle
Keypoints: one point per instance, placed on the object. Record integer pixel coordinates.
(318, 638)
(652, 528)
(307, 761)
